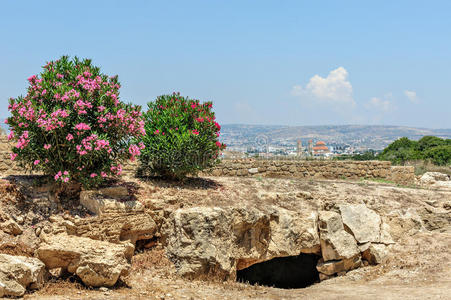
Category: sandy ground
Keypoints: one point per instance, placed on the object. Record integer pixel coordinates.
(418, 267)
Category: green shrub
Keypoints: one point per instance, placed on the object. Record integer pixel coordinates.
(71, 124)
(182, 137)
(427, 142)
(429, 148)
(400, 151)
(440, 155)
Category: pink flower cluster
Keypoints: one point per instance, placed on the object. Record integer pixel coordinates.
(128, 121)
(116, 169)
(92, 143)
(47, 115)
(80, 106)
(82, 126)
(88, 83)
(11, 135)
(23, 140)
(56, 119)
(135, 150)
(63, 176)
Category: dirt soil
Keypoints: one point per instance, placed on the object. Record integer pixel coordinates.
(418, 267)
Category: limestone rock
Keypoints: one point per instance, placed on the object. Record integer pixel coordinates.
(336, 243)
(11, 227)
(433, 177)
(115, 192)
(253, 170)
(199, 242)
(100, 202)
(363, 222)
(404, 223)
(385, 236)
(337, 266)
(97, 263)
(111, 227)
(205, 241)
(293, 232)
(17, 273)
(375, 253)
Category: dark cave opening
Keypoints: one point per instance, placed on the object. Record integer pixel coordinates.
(290, 272)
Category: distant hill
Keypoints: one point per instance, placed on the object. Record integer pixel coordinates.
(363, 136)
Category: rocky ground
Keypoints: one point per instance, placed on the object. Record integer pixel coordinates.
(418, 264)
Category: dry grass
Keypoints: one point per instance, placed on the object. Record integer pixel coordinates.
(422, 167)
(150, 259)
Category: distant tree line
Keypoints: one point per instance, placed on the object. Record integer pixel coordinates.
(428, 148)
(368, 155)
(431, 148)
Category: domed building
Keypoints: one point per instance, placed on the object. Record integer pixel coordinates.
(320, 148)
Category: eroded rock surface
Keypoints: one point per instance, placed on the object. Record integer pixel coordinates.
(218, 241)
(111, 227)
(363, 222)
(19, 273)
(213, 241)
(97, 263)
(338, 247)
(433, 177)
(109, 200)
(118, 218)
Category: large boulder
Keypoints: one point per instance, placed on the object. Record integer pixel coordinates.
(19, 273)
(339, 248)
(118, 217)
(364, 223)
(204, 241)
(336, 243)
(199, 241)
(97, 263)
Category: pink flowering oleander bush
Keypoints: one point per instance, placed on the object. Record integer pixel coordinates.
(71, 124)
(182, 137)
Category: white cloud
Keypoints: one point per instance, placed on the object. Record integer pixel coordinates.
(333, 89)
(383, 105)
(412, 96)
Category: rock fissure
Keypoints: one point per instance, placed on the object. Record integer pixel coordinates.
(220, 241)
(293, 233)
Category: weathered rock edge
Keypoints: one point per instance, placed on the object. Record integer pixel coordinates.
(97, 263)
(205, 242)
(19, 273)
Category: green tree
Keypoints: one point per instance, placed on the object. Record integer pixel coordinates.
(440, 155)
(400, 151)
(427, 142)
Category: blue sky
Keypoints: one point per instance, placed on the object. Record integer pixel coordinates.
(260, 62)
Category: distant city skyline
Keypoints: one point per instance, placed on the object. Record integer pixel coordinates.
(290, 63)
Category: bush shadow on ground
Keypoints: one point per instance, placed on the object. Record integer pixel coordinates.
(189, 183)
